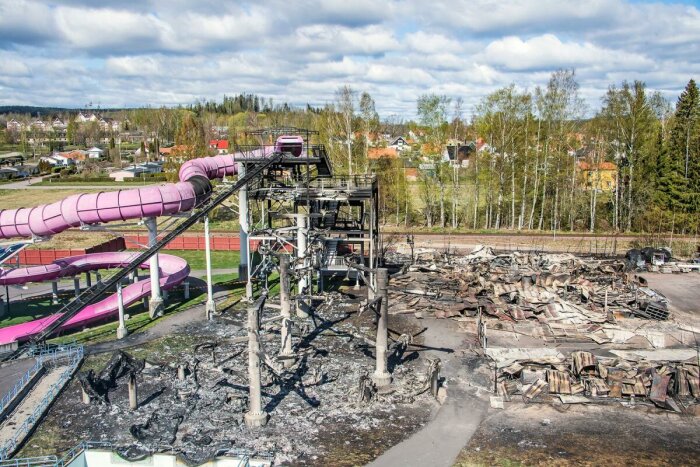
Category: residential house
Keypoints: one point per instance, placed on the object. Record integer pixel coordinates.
(14, 125)
(600, 177)
(95, 153)
(220, 145)
(459, 154)
(136, 171)
(400, 144)
(382, 153)
(7, 173)
(84, 117)
(39, 125)
(58, 124)
(109, 124)
(11, 158)
(58, 160)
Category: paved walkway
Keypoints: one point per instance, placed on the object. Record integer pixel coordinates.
(12, 371)
(13, 423)
(441, 440)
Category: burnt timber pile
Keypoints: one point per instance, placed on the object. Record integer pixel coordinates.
(552, 289)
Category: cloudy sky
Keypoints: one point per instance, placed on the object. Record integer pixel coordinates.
(168, 52)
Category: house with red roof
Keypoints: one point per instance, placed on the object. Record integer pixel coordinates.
(220, 145)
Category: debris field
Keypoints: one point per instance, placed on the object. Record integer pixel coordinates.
(317, 407)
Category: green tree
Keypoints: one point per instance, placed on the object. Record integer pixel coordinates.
(190, 142)
(678, 184)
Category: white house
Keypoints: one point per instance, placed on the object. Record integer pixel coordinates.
(95, 153)
(400, 144)
(58, 160)
(136, 171)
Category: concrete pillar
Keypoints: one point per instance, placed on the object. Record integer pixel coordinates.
(381, 376)
(181, 372)
(121, 330)
(210, 307)
(286, 311)
(88, 280)
(255, 417)
(155, 304)
(76, 285)
(84, 396)
(302, 240)
(54, 292)
(186, 291)
(133, 394)
(244, 265)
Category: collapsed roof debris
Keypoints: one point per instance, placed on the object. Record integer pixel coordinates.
(668, 384)
(549, 288)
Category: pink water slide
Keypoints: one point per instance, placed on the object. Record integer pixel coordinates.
(114, 206)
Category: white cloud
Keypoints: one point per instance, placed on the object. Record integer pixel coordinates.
(547, 51)
(140, 52)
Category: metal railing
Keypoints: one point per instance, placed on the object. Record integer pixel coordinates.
(45, 354)
(20, 385)
(245, 456)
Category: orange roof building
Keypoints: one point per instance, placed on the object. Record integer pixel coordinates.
(382, 153)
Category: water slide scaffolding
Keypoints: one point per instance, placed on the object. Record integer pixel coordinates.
(256, 168)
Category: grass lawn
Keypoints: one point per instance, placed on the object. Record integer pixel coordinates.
(22, 311)
(11, 199)
(219, 259)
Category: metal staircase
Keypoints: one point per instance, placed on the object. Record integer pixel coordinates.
(93, 294)
(330, 214)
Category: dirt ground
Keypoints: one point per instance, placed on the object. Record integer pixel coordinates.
(541, 434)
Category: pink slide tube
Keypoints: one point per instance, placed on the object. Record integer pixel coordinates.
(173, 270)
(115, 206)
(112, 206)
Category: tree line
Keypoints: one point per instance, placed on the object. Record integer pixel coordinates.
(540, 162)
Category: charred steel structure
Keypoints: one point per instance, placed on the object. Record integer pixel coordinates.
(302, 208)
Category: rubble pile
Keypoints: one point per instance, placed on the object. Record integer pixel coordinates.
(584, 378)
(548, 288)
(193, 400)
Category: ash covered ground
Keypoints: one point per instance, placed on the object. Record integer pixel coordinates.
(317, 416)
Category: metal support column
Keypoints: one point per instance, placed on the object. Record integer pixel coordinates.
(54, 292)
(243, 221)
(381, 376)
(155, 304)
(255, 417)
(302, 247)
(121, 330)
(286, 352)
(76, 285)
(210, 307)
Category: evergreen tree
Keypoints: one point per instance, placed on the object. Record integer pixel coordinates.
(679, 184)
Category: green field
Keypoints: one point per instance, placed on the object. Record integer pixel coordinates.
(219, 259)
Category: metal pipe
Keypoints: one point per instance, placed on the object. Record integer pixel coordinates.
(381, 376)
(210, 307)
(155, 304)
(286, 313)
(255, 417)
(302, 241)
(121, 330)
(133, 394)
